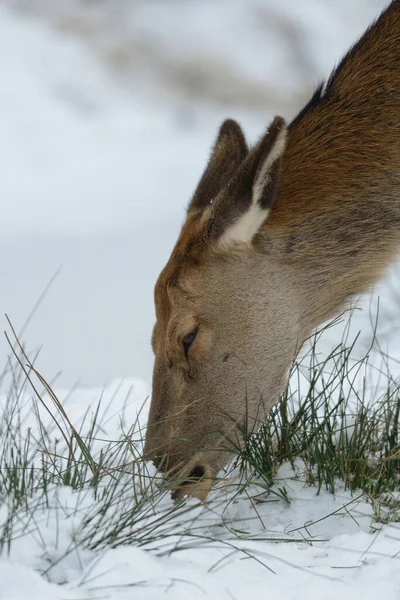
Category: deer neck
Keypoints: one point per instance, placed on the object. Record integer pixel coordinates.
(336, 219)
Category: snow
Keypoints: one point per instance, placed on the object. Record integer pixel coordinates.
(324, 544)
(97, 164)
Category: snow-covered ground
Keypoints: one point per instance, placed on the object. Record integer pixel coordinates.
(107, 115)
(353, 561)
(316, 546)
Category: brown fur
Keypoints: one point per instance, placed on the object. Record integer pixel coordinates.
(254, 281)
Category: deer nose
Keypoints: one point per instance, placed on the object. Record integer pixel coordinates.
(194, 476)
(197, 473)
(197, 483)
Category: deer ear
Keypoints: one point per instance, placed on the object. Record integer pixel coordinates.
(241, 210)
(228, 153)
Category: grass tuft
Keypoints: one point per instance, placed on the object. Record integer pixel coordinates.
(336, 425)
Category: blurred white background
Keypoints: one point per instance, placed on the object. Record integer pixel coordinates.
(108, 109)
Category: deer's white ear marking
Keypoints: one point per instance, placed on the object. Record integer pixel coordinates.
(264, 173)
(261, 171)
(246, 226)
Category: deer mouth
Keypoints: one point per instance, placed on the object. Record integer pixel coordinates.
(197, 484)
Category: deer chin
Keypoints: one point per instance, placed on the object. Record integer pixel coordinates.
(187, 489)
(195, 481)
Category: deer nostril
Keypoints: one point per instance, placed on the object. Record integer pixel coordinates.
(197, 472)
(192, 486)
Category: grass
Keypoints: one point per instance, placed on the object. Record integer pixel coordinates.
(328, 425)
(338, 428)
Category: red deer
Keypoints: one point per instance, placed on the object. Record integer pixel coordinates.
(277, 239)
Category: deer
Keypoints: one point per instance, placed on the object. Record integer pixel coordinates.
(278, 238)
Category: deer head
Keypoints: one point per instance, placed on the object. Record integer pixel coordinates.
(248, 281)
(224, 311)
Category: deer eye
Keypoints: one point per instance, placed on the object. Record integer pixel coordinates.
(188, 341)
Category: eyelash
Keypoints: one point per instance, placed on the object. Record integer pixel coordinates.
(188, 341)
